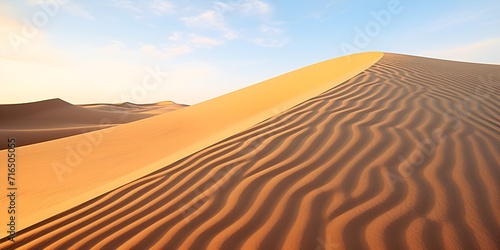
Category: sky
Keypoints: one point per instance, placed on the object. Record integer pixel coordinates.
(189, 51)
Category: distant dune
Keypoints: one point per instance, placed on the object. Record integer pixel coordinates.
(52, 119)
(392, 152)
(149, 109)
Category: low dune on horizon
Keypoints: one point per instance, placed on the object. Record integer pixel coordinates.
(368, 151)
(51, 119)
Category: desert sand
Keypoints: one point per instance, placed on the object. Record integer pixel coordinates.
(51, 119)
(378, 151)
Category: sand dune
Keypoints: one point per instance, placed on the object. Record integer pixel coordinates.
(151, 109)
(402, 155)
(52, 119)
(61, 173)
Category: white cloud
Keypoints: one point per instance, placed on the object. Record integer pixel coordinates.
(270, 42)
(203, 41)
(211, 19)
(115, 47)
(37, 2)
(165, 51)
(272, 29)
(245, 7)
(175, 36)
(223, 15)
(161, 7)
(69, 6)
(223, 7)
(462, 17)
(194, 40)
(485, 51)
(78, 11)
(272, 35)
(168, 51)
(333, 2)
(126, 4)
(141, 8)
(179, 44)
(254, 6)
(118, 49)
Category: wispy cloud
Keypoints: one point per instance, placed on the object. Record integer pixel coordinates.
(162, 7)
(207, 19)
(148, 51)
(463, 17)
(194, 40)
(224, 16)
(78, 11)
(203, 41)
(115, 47)
(272, 35)
(175, 36)
(140, 8)
(177, 44)
(485, 51)
(211, 19)
(244, 7)
(167, 51)
(272, 29)
(70, 7)
(253, 7)
(216, 17)
(127, 5)
(270, 42)
(323, 8)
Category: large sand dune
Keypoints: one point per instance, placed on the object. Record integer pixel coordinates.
(403, 155)
(56, 175)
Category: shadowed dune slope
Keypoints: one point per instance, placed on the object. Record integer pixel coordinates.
(404, 155)
(52, 119)
(58, 175)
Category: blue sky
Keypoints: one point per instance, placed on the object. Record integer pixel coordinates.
(189, 51)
